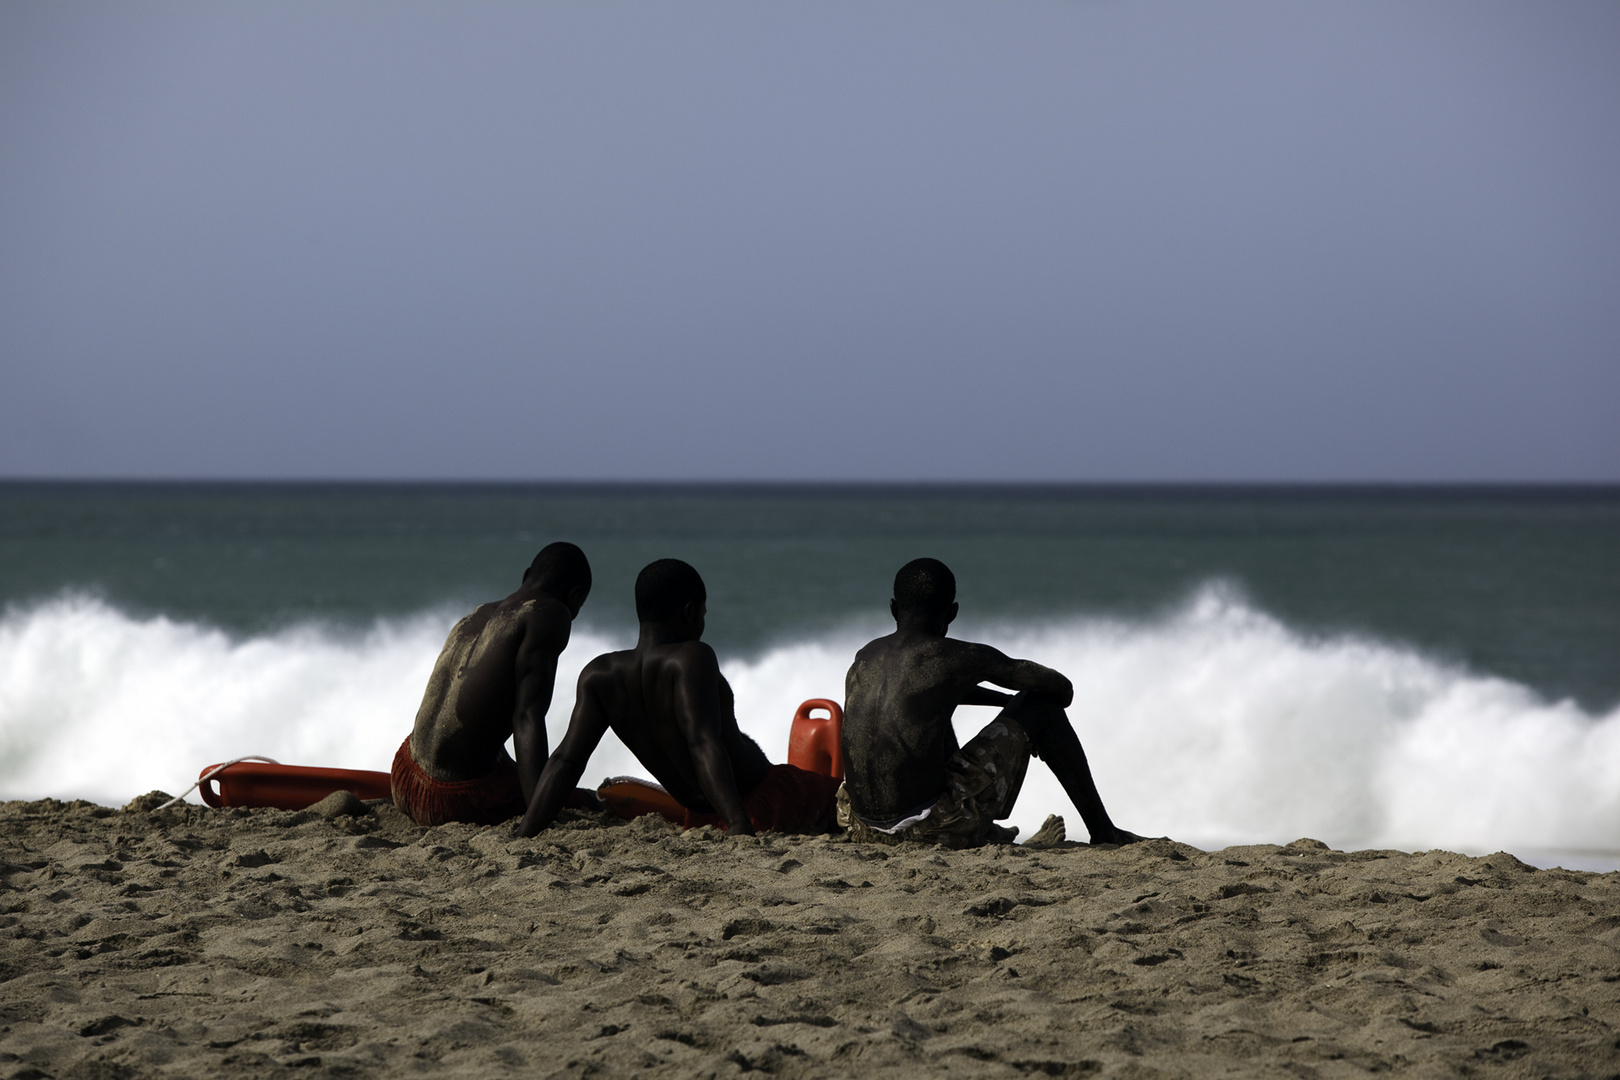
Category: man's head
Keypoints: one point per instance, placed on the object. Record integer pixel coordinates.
(561, 572)
(669, 591)
(924, 590)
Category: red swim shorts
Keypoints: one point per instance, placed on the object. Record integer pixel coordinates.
(788, 800)
(793, 800)
(488, 800)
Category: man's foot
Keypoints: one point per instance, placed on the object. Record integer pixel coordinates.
(1118, 836)
(1050, 834)
(1001, 834)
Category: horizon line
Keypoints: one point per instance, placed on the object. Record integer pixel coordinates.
(825, 484)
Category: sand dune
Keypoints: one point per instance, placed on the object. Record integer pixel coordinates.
(262, 943)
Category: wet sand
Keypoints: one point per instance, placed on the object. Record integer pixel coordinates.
(263, 943)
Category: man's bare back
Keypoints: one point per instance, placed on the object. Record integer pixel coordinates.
(651, 697)
(899, 697)
(491, 656)
(906, 775)
(492, 681)
(668, 703)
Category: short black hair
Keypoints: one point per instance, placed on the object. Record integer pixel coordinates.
(664, 588)
(925, 585)
(558, 570)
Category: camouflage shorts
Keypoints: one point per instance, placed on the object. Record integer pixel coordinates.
(982, 783)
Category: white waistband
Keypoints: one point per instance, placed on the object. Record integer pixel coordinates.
(903, 823)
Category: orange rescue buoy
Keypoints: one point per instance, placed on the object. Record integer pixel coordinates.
(287, 787)
(814, 742)
(630, 797)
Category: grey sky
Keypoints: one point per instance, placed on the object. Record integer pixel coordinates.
(1370, 241)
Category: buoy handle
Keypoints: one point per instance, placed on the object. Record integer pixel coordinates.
(205, 781)
(815, 742)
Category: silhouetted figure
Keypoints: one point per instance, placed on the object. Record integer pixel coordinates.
(906, 778)
(493, 680)
(667, 701)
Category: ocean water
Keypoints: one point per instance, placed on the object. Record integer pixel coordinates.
(1409, 668)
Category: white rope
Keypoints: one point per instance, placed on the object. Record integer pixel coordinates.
(211, 773)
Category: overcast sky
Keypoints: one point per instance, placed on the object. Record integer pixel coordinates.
(1021, 241)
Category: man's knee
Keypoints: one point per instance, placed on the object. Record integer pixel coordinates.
(1036, 714)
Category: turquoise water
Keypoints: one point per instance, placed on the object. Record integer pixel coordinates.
(1522, 584)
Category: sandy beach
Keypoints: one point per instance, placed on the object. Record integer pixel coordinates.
(347, 941)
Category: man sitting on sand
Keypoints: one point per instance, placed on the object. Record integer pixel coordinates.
(906, 778)
(493, 680)
(667, 701)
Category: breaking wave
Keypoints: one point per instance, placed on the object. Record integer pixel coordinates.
(1214, 723)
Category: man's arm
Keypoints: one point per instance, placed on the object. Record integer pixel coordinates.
(697, 712)
(1021, 675)
(535, 670)
(564, 768)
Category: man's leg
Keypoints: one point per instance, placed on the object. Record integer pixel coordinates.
(992, 764)
(1057, 745)
(793, 800)
(983, 779)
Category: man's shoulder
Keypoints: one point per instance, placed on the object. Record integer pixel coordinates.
(472, 623)
(664, 651)
(607, 675)
(894, 649)
(609, 663)
(502, 618)
(530, 606)
(943, 661)
(971, 648)
(878, 648)
(690, 657)
(548, 617)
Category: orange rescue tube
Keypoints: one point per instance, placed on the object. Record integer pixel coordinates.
(287, 787)
(814, 742)
(629, 797)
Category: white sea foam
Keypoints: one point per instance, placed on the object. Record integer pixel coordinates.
(1214, 723)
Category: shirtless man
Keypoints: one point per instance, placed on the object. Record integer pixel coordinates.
(493, 680)
(906, 777)
(668, 703)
